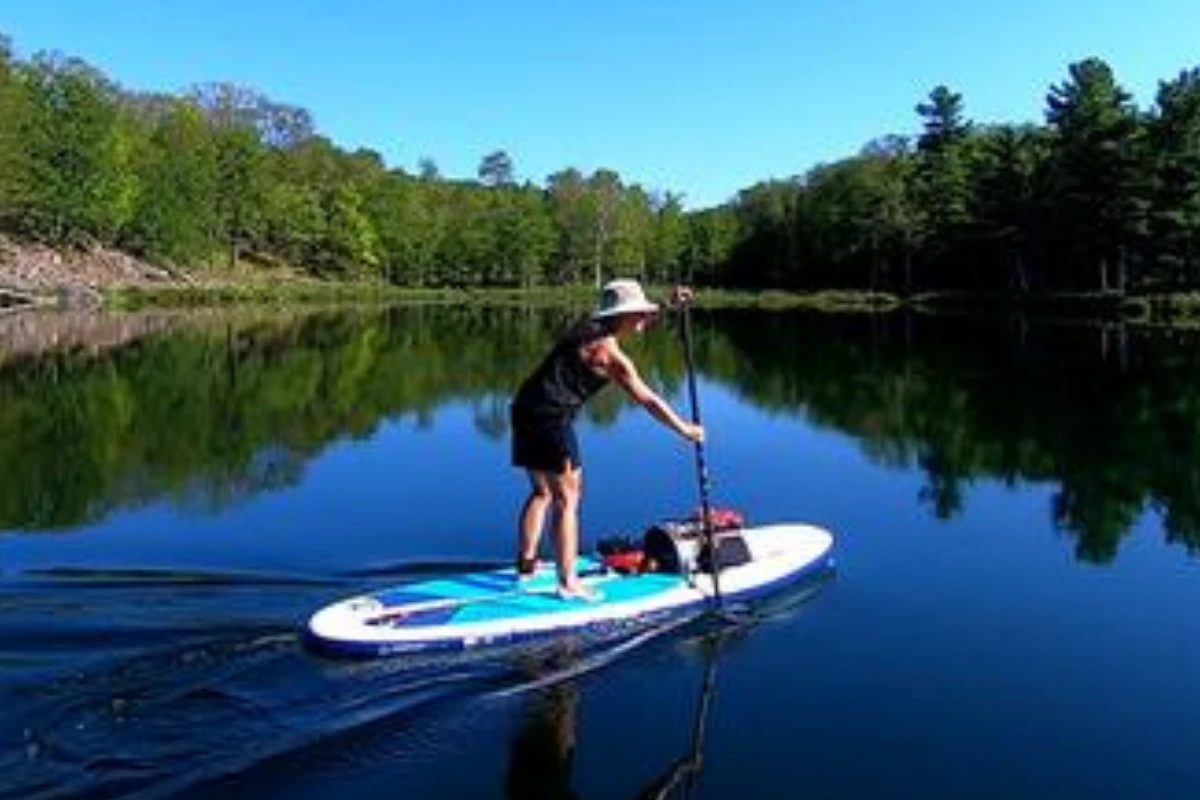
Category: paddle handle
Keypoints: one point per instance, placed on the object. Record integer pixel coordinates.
(701, 464)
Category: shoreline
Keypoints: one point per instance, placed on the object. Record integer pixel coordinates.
(1150, 309)
(36, 277)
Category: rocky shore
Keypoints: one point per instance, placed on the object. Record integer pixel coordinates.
(33, 274)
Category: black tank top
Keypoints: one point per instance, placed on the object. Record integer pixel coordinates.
(562, 383)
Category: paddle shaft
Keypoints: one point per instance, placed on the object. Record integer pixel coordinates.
(700, 726)
(701, 465)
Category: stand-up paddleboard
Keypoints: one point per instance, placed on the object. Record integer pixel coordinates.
(669, 574)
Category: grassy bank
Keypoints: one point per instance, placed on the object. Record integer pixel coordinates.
(1156, 309)
(254, 294)
(1179, 309)
(1173, 309)
(830, 300)
(321, 292)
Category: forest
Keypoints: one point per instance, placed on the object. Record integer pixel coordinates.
(1101, 197)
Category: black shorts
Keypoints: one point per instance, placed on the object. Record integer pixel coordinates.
(545, 443)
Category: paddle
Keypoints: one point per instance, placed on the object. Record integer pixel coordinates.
(686, 771)
(701, 467)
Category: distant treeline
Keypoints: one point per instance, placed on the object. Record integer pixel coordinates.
(1104, 197)
(222, 173)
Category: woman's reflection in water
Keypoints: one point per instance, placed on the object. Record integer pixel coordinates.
(539, 766)
(543, 751)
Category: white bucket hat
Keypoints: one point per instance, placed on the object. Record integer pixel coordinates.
(623, 297)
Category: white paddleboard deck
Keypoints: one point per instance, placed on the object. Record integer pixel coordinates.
(495, 607)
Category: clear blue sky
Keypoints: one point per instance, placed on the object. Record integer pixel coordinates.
(699, 97)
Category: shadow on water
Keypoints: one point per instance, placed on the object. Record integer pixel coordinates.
(146, 685)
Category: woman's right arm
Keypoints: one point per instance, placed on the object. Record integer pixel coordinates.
(622, 370)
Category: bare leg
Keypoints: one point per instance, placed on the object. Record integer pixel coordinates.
(533, 516)
(566, 489)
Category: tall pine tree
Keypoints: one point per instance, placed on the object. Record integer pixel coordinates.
(1099, 177)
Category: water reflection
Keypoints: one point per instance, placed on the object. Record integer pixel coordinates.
(543, 750)
(542, 753)
(1107, 413)
(155, 685)
(225, 408)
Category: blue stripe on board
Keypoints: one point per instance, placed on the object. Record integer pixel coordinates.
(489, 583)
(616, 590)
(479, 585)
(454, 589)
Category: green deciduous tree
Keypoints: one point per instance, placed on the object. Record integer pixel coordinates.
(524, 237)
(667, 244)
(603, 204)
(766, 216)
(175, 213)
(711, 242)
(74, 182)
(240, 188)
(630, 240)
(351, 244)
(568, 197)
(294, 222)
(14, 107)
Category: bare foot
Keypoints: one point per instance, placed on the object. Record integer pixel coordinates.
(579, 591)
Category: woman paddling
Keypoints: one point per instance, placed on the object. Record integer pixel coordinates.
(581, 363)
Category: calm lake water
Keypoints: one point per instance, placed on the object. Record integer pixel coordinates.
(1015, 610)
